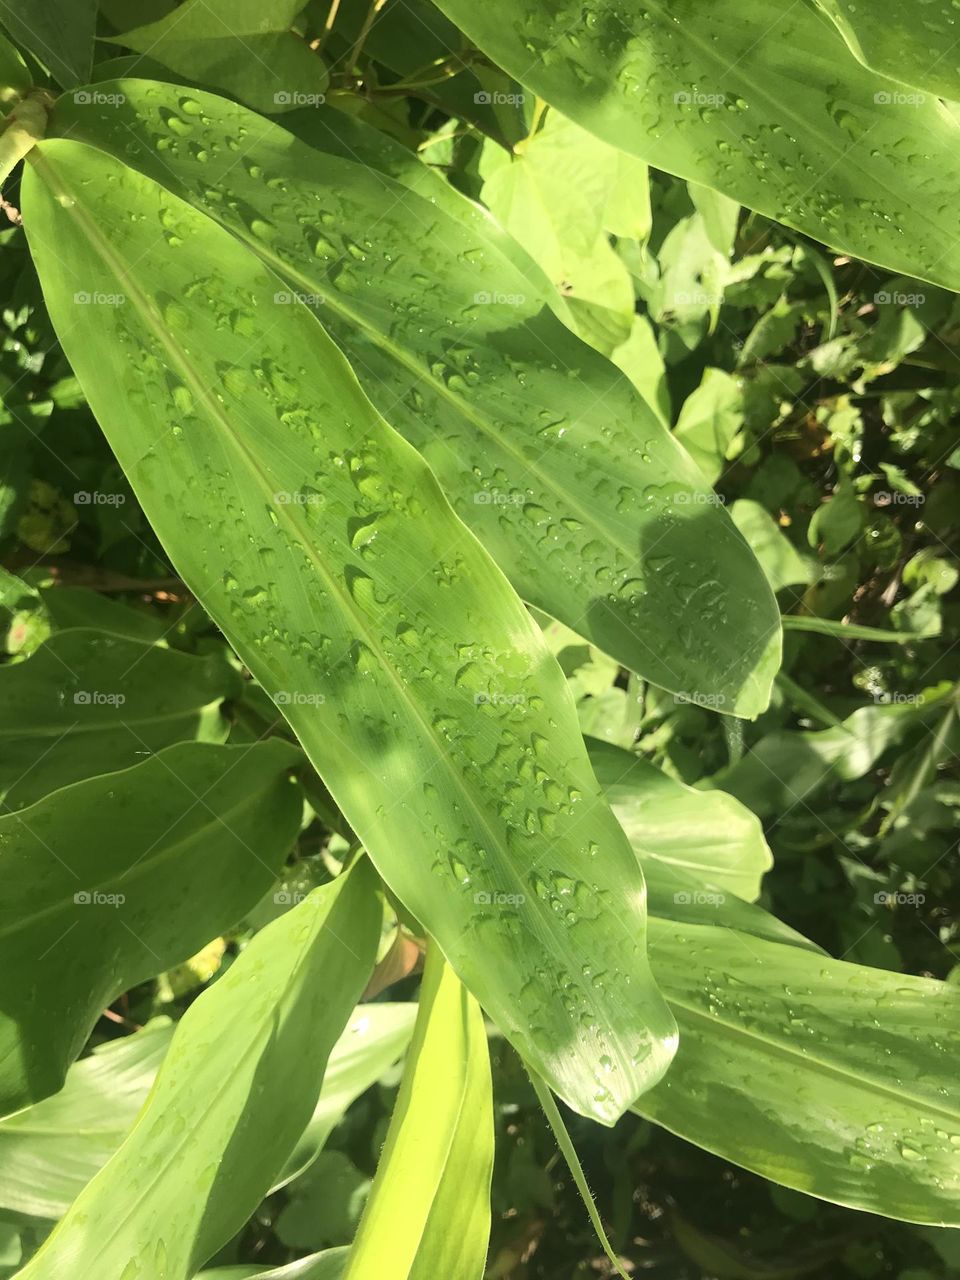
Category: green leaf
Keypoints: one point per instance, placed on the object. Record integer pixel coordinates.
(896, 38)
(571, 482)
(236, 1088)
(709, 419)
(764, 103)
(327, 1265)
(558, 193)
(244, 47)
(706, 833)
(374, 1038)
(786, 767)
(15, 79)
(770, 1077)
(781, 562)
(303, 523)
(51, 1151)
(87, 703)
(103, 888)
(429, 1209)
(58, 32)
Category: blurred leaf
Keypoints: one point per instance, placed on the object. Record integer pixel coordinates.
(374, 1038)
(709, 419)
(50, 1151)
(780, 561)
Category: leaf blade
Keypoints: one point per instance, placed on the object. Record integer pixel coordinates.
(273, 1017)
(396, 681)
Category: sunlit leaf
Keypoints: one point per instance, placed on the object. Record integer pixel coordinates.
(238, 1084)
(429, 1209)
(572, 483)
(828, 1077)
(764, 102)
(321, 543)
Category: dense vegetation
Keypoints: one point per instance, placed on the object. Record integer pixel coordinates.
(396, 730)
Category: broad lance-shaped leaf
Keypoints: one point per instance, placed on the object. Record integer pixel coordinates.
(104, 886)
(910, 42)
(707, 833)
(49, 1152)
(234, 1092)
(429, 1209)
(321, 543)
(824, 1076)
(760, 100)
(572, 483)
(87, 703)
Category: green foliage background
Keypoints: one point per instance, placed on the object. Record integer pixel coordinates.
(819, 396)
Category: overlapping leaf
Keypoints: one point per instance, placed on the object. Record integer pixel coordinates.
(245, 47)
(769, 1075)
(708, 834)
(321, 543)
(909, 42)
(104, 886)
(761, 101)
(571, 481)
(429, 1209)
(49, 1152)
(87, 703)
(59, 33)
(236, 1088)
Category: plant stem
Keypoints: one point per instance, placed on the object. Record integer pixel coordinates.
(22, 130)
(555, 1120)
